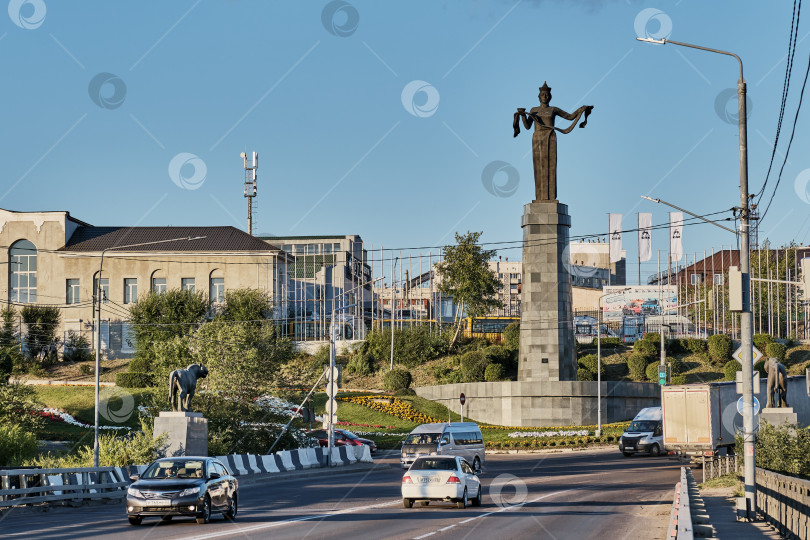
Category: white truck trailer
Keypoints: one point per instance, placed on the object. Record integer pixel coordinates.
(702, 419)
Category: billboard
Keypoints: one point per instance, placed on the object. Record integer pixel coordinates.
(620, 301)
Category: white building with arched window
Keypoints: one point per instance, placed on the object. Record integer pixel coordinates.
(52, 258)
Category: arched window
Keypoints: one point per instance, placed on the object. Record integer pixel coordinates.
(158, 284)
(23, 272)
(216, 287)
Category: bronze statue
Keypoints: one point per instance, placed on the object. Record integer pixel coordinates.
(777, 382)
(544, 140)
(182, 384)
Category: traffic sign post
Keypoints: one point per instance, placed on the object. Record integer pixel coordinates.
(462, 399)
(737, 355)
(741, 406)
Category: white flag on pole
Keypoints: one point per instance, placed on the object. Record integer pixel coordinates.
(615, 227)
(644, 237)
(675, 236)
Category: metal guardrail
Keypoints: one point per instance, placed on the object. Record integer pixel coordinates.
(784, 501)
(719, 466)
(28, 486)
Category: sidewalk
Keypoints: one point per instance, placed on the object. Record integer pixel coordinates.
(721, 507)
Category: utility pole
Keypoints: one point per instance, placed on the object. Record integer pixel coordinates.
(744, 290)
(250, 185)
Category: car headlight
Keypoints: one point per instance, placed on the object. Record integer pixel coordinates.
(189, 491)
(132, 492)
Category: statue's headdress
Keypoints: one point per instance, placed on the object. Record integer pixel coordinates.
(545, 87)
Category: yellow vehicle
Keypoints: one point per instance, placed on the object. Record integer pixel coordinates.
(490, 328)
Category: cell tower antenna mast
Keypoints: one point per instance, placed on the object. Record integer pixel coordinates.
(250, 185)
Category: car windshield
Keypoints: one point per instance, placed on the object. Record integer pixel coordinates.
(435, 464)
(423, 438)
(642, 425)
(349, 434)
(179, 468)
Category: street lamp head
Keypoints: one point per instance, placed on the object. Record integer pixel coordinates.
(661, 41)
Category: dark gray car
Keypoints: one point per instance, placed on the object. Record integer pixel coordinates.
(183, 486)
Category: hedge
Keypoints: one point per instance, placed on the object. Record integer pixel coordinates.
(397, 379)
(473, 366)
(730, 370)
(133, 380)
(720, 348)
(777, 350)
(637, 364)
(493, 372)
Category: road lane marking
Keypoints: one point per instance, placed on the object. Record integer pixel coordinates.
(447, 528)
(425, 535)
(263, 526)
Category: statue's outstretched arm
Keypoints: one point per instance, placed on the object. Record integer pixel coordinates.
(575, 117)
(527, 122)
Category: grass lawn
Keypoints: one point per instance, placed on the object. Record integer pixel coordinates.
(79, 401)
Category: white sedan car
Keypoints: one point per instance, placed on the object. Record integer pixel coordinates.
(441, 478)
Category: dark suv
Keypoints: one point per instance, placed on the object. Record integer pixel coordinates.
(182, 486)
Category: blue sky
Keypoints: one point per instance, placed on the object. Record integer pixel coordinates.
(341, 151)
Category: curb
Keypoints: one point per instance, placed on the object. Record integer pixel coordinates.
(556, 450)
(252, 479)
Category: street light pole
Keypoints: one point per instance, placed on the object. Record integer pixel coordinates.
(598, 432)
(393, 307)
(99, 290)
(746, 318)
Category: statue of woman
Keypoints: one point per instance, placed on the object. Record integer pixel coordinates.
(544, 140)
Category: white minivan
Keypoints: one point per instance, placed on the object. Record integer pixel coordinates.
(457, 439)
(644, 434)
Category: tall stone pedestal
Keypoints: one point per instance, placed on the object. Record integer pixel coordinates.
(547, 349)
(188, 433)
(777, 416)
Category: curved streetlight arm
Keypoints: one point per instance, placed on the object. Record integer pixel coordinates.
(664, 41)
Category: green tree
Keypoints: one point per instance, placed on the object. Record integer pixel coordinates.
(464, 275)
(242, 358)
(246, 305)
(9, 344)
(17, 403)
(165, 318)
(41, 323)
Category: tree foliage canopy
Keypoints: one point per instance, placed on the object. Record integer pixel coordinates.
(464, 274)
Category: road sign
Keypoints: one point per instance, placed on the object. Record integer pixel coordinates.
(331, 406)
(740, 406)
(326, 421)
(740, 383)
(738, 355)
(462, 398)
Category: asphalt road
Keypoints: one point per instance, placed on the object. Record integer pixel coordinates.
(567, 495)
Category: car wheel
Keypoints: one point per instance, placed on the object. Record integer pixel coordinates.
(462, 502)
(478, 498)
(205, 516)
(655, 450)
(230, 513)
(477, 465)
(425, 503)
(407, 503)
(135, 520)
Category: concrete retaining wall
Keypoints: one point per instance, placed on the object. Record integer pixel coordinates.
(545, 403)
